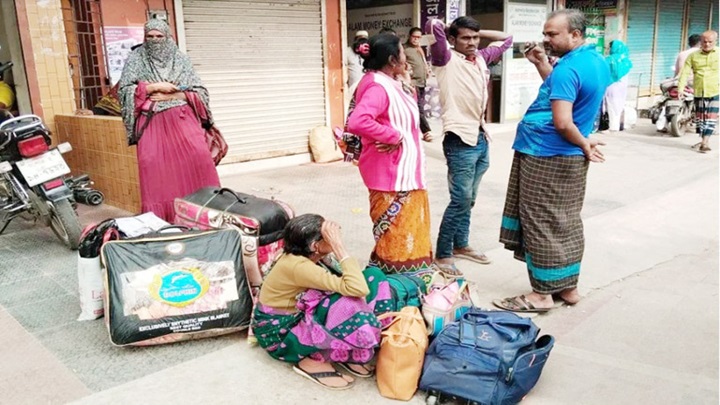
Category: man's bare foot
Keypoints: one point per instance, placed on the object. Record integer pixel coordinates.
(570, 296)
(338, 380)
(540, 300)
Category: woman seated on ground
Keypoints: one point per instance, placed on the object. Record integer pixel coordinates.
(309, 316)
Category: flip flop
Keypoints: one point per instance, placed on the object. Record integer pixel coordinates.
(367, 374)
(472, 255)
(315, 377)
(449, 270)
(513, 304)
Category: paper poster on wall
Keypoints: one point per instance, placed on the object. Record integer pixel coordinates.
(118, 41)
(521, 80)
(372, 20)
(523, 83)
(526, 21)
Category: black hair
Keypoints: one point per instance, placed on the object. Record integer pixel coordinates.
(463, 22)
(694, 39)
(382, 48)
(300, 232)
(412, 30)
(387, 30)
(575, 18)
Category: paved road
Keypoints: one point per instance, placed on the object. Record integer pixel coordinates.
(646, 332)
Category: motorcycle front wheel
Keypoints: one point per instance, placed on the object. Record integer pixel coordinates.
(65, 223)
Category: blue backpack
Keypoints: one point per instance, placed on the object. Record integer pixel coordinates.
(406, 290)
(490, 357)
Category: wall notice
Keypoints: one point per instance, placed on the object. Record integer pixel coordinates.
(525, 21)
(118, 41)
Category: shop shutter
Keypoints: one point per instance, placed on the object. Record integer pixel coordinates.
(699, 14)
(262, 62)
(640, 33)
(669, 41)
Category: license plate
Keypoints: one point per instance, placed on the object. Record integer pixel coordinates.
(39, 169)
(674, 103)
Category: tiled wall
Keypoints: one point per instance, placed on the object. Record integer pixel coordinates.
(49, 49)
(100, 150)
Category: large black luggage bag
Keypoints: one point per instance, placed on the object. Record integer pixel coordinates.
(167, 287)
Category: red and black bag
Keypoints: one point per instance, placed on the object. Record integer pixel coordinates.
(260, 220)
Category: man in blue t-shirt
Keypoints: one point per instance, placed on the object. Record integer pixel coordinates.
(541, 220)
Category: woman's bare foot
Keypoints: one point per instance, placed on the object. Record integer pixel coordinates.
(310, 366)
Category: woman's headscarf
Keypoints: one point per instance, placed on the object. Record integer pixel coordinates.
(619, 60)
(157, 60)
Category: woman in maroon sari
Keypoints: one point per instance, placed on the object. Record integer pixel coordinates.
(156, 87)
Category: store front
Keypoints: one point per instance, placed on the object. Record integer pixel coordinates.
(263, 64)
(658, 30)
(514, 82)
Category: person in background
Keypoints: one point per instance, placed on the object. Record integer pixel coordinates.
(620, 65)
(156, 85)
(310, 316)
(354, 58)
(418, 75)
(463, 78)
(541, 220)
(704, 67)
(392, 162)
(693, 46)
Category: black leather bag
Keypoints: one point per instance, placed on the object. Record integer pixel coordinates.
(214, 207)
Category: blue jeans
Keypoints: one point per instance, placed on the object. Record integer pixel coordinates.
(466, 166)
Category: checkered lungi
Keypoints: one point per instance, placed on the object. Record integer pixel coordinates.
(541, 221)
(706, 115)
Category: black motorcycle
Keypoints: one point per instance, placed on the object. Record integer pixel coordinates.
(31, 179)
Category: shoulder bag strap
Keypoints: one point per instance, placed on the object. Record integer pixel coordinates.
(148, 117)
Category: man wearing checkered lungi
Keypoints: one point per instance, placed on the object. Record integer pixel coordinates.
(703, 65)
(541, 220)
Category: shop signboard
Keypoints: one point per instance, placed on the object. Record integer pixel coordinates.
(453, 10)
(431, 9)
(373, 19)
(595, 35)
(596, 4)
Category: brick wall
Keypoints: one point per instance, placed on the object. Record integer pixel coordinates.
(49, 51)
(100, 150)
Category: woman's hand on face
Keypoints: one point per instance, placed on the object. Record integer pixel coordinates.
(385, 147)
(330, 232)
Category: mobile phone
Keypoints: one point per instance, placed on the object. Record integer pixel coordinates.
(529, 46)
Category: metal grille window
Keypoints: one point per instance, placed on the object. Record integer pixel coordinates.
(88, 65)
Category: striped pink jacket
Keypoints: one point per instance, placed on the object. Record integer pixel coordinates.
(385, 113)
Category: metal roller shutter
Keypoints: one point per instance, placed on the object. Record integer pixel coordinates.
(699, 17)
(640, 34)
(669, 41)
(262, 62)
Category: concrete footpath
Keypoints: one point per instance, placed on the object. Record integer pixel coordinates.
(645, 332)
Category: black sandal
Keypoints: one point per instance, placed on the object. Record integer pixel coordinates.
(315, 377)
(347, 367)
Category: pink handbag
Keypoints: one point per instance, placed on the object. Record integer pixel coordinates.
(447, 300)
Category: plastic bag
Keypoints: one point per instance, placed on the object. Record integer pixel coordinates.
(90, 288)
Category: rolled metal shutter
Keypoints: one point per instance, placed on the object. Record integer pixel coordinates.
(262, 62)
(640, 39)
(669, 41)
(699, 14)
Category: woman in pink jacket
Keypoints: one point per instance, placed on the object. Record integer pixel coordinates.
(392, 163)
